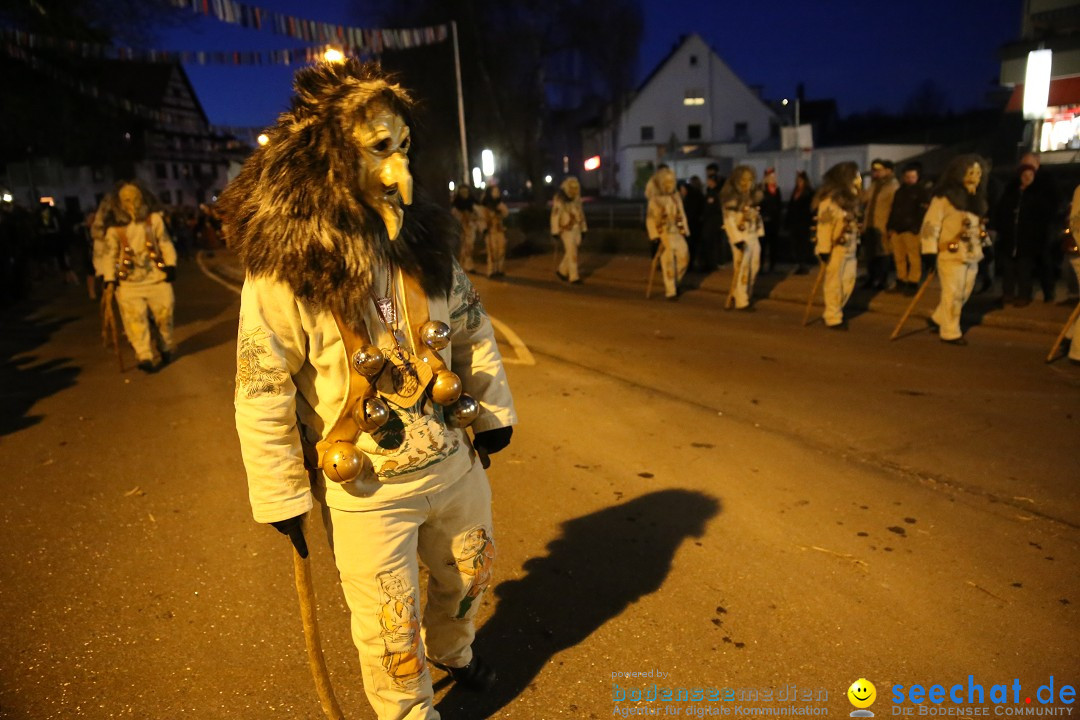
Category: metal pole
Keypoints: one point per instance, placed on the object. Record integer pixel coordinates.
(460, 105)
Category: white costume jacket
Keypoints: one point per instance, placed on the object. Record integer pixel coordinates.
(292, 379)
(145, 272)
(835, 228)
(950, 233)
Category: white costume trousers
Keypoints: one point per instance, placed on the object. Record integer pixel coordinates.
(746, 263)
(496, 251)
(376, 554)
(1074, 332)
(136, 301)
(957, 281)
(839, 282)
(674, 257)
(571, 239)
(468, 242)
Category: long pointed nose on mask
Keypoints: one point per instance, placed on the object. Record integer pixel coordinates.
(398, 191)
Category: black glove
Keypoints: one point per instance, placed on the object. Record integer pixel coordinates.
(170, 273)
(100, 279)
(741, 245)
(556, 238)
(929, 260)
(294, 529)
(492, 441)
(110, 283)
(823, 257)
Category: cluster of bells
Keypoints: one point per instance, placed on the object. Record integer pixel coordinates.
(749, 215)
(343, 461)
(127, 263)
(966, 235)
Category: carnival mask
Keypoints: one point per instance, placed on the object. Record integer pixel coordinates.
(384, 145)
(745, 183)
(856, 184)
(131, 200)
(666, 181)
(572, 188)
(972, 178)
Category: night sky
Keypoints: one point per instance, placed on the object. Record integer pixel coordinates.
(866, 55)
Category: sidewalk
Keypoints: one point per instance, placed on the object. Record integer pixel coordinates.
(629, 273)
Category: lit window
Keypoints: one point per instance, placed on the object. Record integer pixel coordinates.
(694, 97)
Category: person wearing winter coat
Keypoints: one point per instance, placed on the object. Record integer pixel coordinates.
(954, 229)
(837, 206)
(363, 355)
(877, 204)
(905, 223)
(1026, 220)
(140, 263)
(797, 222)
(744, 227)
(493, 212)
(568, 227)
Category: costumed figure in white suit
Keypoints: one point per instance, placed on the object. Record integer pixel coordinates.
(665, 221)
(363, 353)
(568, 227)
(954, 229)
(464, 209)
(744, 227)
(141, 264)
(837, 207)
(494, 212)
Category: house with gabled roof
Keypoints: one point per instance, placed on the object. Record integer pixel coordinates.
(692, 109)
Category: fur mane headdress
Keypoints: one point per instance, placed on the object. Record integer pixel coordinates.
(731, 196)
(951, 185)
(838, 184)
(298, 211)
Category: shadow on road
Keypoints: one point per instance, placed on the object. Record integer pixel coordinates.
(25, 379)
(602, 563)
(220, 333)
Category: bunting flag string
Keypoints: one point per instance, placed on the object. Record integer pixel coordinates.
(312, 31)
(287, 56)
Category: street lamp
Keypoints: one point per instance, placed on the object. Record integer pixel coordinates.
(1037, 91)
(263, 139)
(333, 55)
(477, 178)
(452, 186)
(487, 161)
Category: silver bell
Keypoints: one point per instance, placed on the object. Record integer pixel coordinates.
(463, 412)
(368, 360)
(435, 334)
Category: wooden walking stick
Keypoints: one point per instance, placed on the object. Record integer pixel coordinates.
(914, 302)
(1063, 333)
(305, 591)
(652, 270)
(109, 330)
(813, 292)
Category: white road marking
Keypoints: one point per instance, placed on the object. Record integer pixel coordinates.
(524, 357)
(206, 271)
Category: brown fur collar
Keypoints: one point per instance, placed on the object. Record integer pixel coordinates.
(297, 212)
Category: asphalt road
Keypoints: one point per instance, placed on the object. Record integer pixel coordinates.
(725, 498)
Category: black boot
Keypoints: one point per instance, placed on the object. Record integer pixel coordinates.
(477, 676)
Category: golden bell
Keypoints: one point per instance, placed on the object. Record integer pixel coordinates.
(435, 334)
(446, 389)
(371, 414)
(342, 462)
(953, 246)
(368, 361)
(463, 412)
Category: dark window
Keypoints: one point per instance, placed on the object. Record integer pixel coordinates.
(646, 132)
(742, 129)
(693, 61)
(166, 197)
(161, 171)
(693, 132)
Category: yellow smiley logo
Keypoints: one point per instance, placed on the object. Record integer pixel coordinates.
(862, 693)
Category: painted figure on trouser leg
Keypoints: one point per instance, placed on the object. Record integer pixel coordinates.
(1072, 252)
(141, 265)
(665, 221)
(364, 355)
(745, 228)
(568, 227)
(837, 206)
(955, 230)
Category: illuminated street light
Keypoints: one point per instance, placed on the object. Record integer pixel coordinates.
(487, 161)
(784, 102)
(8, 197)
(477, 178)
(1037, 84)
(547, 179)
(452, 186)
(592, 163)
(333, 55)
(263, 138)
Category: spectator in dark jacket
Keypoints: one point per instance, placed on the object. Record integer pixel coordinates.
(711, 246)
(772, 206)
(905, 221)
(797, 222)
(1024, 219)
